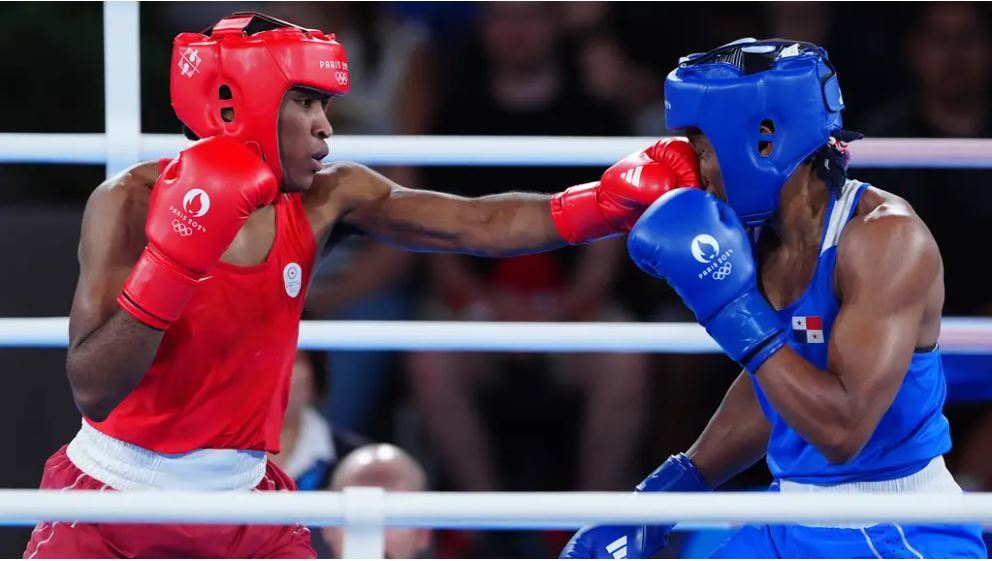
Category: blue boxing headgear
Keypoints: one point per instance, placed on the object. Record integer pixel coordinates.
(729, 93)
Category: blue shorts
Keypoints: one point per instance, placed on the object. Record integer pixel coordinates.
(883, 541)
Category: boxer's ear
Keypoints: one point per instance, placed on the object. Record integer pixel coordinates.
(767, 127)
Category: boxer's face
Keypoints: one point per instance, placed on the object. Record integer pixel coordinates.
(303, 128)
(709, 168)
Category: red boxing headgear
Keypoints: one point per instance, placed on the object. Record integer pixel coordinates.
(231, 66)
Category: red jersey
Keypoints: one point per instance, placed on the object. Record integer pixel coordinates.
(220, 378)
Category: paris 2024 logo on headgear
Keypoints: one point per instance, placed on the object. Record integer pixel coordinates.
(196, 203)
(706, 250)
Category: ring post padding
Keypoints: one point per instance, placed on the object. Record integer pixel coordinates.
(122, 87)
(364, 523)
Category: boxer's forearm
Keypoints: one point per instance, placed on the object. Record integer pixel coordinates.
(105, 365)
(735, 438)
(494, 226)
(510, 224)
(817, 405)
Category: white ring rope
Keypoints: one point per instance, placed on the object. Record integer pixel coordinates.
(491, 510)
(958, 336)
(489, 150)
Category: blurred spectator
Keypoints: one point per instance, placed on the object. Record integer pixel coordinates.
(391, 66)
(950, 54)
(520, 84)
(948, 51)
(360, 280)
(607, 71)
(802, 21)
(311, 447)
(388, 467)
(450, 23)
(728, 21)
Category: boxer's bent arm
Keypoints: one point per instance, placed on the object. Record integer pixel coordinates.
(493, 226)
(886, 270)
(108, 363)
(736, 436)
(109, 351)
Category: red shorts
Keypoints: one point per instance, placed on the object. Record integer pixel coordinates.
(75, 540)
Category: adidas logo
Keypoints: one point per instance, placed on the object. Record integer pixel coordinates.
(618, 548)
(633, 176)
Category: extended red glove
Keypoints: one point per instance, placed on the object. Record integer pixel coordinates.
(198, 205)
(612, 205)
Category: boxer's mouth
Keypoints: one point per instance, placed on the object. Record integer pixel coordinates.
(318, 159)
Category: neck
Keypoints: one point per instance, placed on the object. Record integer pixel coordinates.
(802, 209)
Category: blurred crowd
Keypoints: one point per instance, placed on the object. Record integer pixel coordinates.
(480, 421)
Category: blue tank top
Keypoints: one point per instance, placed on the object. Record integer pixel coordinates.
(911, 433)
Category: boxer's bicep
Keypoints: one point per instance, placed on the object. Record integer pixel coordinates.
(885, 271)
(111, 239)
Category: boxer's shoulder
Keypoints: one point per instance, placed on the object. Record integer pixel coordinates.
(342, 182)
(127, 191)
(884, 220)
(339, 189)
(876, 203)
(118, 207)
(886, 240)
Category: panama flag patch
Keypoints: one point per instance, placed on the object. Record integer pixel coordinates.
(808, 329)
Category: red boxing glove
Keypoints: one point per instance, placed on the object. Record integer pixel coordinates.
(198, 205)
(610, 206)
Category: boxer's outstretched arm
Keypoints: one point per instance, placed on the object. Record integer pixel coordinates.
(736, 436)
(109, 350)
(497, 225)
(888, 270)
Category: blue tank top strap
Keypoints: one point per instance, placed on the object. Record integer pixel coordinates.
(842, 208)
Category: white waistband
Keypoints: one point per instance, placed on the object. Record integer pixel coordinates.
(934, 478)
(127, 467)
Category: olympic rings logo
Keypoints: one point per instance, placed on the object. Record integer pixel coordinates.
(180, 228)
(341, 77)
(724, 271)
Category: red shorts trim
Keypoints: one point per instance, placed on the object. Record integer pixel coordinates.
(81, 540)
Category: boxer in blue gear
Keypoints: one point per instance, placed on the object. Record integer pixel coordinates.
(828, 292)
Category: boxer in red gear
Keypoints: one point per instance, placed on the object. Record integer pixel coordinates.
(192, 279)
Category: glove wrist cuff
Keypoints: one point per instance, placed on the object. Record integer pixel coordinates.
(577, 216)
(157, 290)
(759, 356)
(745, 326)
(677, 474)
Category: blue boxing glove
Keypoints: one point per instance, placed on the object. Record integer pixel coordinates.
(678, 474)
(696, 243)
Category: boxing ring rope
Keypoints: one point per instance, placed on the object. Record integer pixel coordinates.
(364, 513)
(958, 336)
(93, 148)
